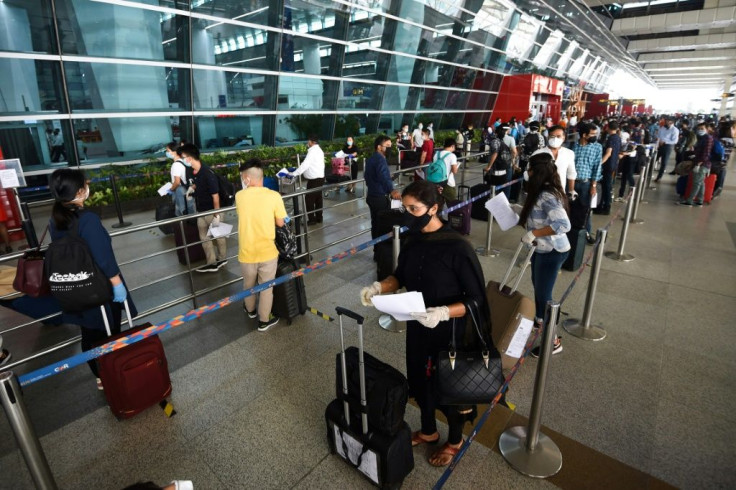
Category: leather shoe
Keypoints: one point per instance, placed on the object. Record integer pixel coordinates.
(589, 238)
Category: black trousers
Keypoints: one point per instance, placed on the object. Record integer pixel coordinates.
(91, 338)
(314, 200)
(376, 204)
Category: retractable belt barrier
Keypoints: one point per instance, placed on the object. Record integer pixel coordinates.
(480, 196)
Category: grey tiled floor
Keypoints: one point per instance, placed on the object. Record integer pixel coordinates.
(657, 393)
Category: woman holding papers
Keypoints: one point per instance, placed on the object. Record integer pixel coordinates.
(437, 262)
(544, 216)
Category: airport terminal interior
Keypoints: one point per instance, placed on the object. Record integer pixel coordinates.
(105, 85)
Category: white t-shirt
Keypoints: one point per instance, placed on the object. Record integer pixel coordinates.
(565, 164)
(510, 141)
(450, 160)
(418, 137)
(178, 170)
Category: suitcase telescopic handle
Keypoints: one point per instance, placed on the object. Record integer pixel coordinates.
(527, 261)
(103, 310)
(361, 367)
(344, 311)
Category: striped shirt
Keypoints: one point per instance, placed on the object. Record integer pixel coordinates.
(588, 161)
(549, 211)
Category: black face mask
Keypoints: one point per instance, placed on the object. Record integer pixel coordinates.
(592, 139)
(416, 223)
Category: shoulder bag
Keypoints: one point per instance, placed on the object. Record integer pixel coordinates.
(469, 377)
(29, 277)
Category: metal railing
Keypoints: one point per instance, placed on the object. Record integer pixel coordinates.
(300, 219)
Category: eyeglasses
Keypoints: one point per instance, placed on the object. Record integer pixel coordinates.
(412, 208)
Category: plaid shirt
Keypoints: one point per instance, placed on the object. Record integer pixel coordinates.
(588, 161)
(549, 211)
(703, 148)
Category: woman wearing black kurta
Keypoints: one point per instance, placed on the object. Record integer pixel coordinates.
(70, 190)
(436, 261)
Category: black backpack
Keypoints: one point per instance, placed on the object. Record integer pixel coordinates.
(225, 189)
(75, 279)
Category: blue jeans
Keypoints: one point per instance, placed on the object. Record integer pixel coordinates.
(545, 267)
(583, 190)
(698, 191)
(665, 151)
(182, 205)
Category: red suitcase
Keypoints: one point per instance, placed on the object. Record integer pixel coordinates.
(710, 185)
(134, 377)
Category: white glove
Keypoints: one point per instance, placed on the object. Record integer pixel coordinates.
(528, 238)
(367, 293)
(433, 316)
(573, 195)
(190, 191)
(216, 220)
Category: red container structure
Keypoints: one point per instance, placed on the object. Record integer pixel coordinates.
(521, 95)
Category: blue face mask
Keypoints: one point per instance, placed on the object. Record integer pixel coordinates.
(170, 155)
(350, 142)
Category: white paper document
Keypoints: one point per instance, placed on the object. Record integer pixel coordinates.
(222, 230)
(368, 461)
(594, 201)
(400, 305)
(282, 173)
(502, 212)
(9, 178)
(395, 203)
(518, 341)
(340, 154)
(164, 189)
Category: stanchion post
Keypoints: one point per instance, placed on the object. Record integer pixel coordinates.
(619, 255)
(526, 449)
(489, 251)
(118, 208)
(643, 184)
(20, 423)
(637, 197)
(306, 228)
(652, 161)
(582, 329)
(189, 263)
(385, 321)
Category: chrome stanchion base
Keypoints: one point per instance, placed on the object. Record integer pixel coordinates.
(575, 327)
(620, 258)
(124, 224)
(637, 221)
(544, 461)
(487, 253)
(390, 325)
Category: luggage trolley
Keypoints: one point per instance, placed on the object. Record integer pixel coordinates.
(340, 172)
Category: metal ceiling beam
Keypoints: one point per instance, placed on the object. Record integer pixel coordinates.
(675, 21)
(708, 41)
(723, 65)
(692, 56)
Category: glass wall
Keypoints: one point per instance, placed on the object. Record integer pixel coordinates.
(120, 79)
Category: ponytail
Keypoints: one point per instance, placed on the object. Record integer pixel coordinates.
(64, 184)
(63, 215)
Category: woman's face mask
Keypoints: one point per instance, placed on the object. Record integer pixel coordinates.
(84, 197)
(170, 155)
(416, 223)
(555, 142)
(350, 142)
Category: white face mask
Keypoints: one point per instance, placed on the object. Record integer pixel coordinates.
(186, 162)
(526, 176)
(555, 142)
(420, 126)
(245, 183)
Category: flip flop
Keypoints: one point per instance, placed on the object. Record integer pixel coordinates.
(445, 450)
(417, 439)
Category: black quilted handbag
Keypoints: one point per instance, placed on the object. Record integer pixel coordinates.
(469, 377)
(285, 242)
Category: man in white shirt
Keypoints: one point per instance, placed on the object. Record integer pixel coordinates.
(564, 158)
(668, 135)
(417, 136)
(313, 168)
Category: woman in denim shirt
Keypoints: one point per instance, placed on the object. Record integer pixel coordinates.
(545, 217)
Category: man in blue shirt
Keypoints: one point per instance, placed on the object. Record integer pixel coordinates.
(380, 187)
(667, 136)
(609, 164)
(588, 155)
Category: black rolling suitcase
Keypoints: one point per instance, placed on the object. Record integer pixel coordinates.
(460, 218)
(382, 458)
(165, 210)
(289, 298)
(191, 234)
(577, 238)
(478, 208)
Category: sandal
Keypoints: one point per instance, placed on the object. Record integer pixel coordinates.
(417, 439)
(437, 458)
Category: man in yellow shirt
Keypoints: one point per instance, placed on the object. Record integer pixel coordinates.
(259, 210)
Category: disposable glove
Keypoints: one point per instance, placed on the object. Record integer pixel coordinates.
(119, 293)
(433, 316)
(190, 191)
(528, 238)
(367, 293)
(573, 195)
(216, 220)
(171, 193)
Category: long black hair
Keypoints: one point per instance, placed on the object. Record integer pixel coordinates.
(64, 184)
(426, 193)
(543, 178)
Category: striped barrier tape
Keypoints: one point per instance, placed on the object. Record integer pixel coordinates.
(479, 196)
(324, 316)
(83, 357)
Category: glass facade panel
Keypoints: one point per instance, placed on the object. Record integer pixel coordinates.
(216, 43)
(111, 87)
(227, 132)
(230, 90)
(30, 86)
(113, 31)
(27, 27)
